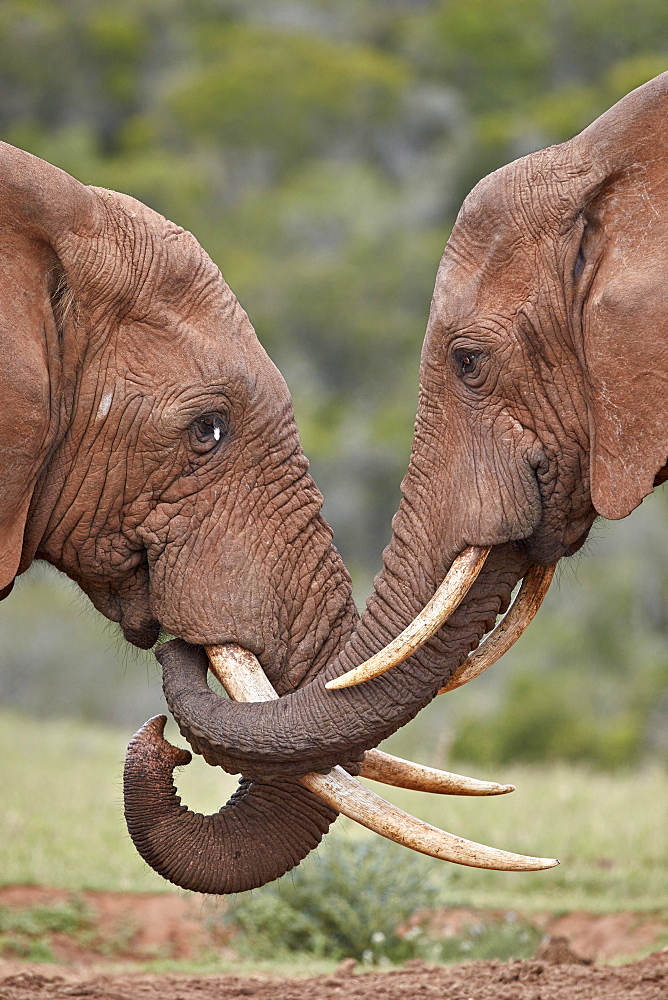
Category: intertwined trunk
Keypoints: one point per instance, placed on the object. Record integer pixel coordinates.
(268, 826)
(312, 728)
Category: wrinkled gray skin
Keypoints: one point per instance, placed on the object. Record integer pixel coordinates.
(148, 449)
(543, 391)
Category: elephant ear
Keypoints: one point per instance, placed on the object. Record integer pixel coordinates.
(625, 317)
(41, 210)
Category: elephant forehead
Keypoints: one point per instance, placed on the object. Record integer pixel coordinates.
(473, 282)
(194, 354)
(504, 225)
(534, 197)
(489, 236)
(146, 266)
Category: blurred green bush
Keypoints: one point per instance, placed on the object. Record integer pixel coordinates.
(367, 900)
(348, 900)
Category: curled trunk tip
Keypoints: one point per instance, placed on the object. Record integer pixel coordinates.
(264, 830)
(156, 751)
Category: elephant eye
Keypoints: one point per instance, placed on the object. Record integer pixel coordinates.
(468, 362)
(207, 432)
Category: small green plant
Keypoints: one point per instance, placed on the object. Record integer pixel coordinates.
(30, 949)
(503, 939)
(25, 933)
(349, 900)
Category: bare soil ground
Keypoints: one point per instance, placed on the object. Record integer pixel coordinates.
(143, 926)
(538, 980)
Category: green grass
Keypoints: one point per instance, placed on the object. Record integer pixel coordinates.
(281, 967)
(607, 830)
(62, 818)
(62, 824)
(25, 933)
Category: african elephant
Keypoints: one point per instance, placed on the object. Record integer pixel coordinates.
(148, 450)
(543, 387)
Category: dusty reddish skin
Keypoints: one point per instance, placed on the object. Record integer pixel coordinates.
(543, 383)
(148, 449)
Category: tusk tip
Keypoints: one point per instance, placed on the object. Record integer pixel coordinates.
(380, 766)
(534, 864)
(337, 683)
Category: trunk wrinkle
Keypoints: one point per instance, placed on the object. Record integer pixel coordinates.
(262, 832)
(313, 729)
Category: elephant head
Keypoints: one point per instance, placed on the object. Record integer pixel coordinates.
(543, 382)
(148, 450)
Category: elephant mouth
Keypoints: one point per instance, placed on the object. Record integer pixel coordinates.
(436, 612)
(143, 633)
(575, 546)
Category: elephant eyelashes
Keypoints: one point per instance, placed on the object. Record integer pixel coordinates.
(468, 364)
(207, 432)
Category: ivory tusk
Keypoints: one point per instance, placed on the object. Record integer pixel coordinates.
(534, 587)
(240, 673)
(380, 766)
(343, 792)
(244, 680)
(445, 601)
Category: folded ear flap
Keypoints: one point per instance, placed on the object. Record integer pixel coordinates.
(25, 410)
(626, 349)
(624, 312)
(41, 208)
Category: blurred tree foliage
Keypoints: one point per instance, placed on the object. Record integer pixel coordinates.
(320, 152)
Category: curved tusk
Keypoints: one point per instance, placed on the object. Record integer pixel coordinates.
(445, 601)
(535, 586)
(244, 680)
(241, 675)
(343, 792)
(380, 766)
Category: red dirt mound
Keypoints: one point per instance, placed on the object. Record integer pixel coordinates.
(136, 927)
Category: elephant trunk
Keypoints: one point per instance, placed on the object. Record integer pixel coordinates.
(261, 833)
(312, 729)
